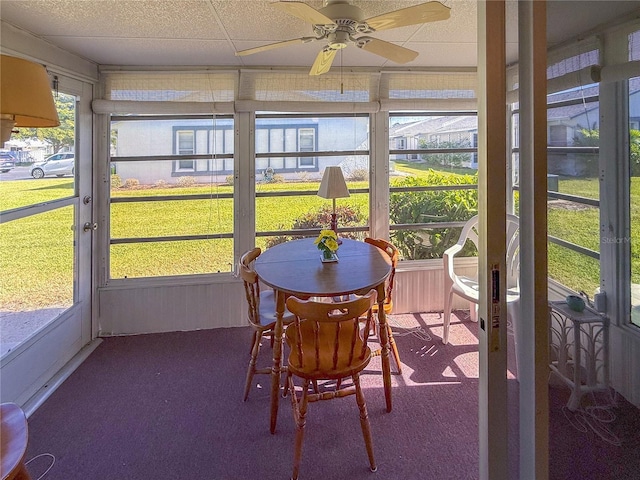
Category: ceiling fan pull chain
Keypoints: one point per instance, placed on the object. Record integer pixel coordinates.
(341, 84)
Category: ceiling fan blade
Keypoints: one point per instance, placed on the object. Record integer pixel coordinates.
(270, 46)
(390, 51)
(323, 61)
(305, 12)
(423, 13)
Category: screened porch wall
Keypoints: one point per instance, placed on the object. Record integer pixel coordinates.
(144, 305)
(419, 284)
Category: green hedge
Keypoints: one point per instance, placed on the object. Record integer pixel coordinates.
(426, 206)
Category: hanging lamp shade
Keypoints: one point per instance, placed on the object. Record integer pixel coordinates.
(333, 184)
(25, 96)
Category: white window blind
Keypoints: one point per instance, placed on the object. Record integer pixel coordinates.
(228, 91)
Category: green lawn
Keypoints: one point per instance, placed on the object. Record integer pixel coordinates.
(36, 252)
(581, 225)
(420, 168)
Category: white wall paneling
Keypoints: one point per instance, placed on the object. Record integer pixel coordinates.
(154, 308)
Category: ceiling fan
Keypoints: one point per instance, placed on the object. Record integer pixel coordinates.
(340, 22)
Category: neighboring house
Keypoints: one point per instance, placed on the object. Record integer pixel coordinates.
(215, 140)
(30, 150)
(564, 125)
(327, 134)
(435, 131)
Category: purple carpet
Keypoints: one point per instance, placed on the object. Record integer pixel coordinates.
(168, 406)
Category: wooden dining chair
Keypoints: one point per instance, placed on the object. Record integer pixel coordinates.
(392, 252)
(327, 343)
(261, 314)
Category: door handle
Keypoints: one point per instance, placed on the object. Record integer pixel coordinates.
(90, 226)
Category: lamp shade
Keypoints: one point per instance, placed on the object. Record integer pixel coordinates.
(333, 184)
(25, 96)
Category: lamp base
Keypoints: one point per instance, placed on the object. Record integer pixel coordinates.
(334, 227)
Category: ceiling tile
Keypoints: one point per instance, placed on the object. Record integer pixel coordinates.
(208, 32)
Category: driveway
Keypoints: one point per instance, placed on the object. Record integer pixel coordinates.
(17, 173)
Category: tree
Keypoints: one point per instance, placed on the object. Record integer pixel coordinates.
(58, 137)
(591, 138)
(634, 152)
(454, 159)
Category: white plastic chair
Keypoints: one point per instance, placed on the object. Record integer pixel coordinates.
(467, 287)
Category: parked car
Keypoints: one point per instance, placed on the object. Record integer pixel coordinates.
(7, 161)
(59, 164)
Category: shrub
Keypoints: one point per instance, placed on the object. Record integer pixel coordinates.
(354, 163)
(271, 241)
(131, 182)
(277, 178)
(446, 159)
(160, 183)
(187, 181)
(358, 175)
(304, 176)
(348, 216)
(116, 181)
(439, 205)
(229, 179)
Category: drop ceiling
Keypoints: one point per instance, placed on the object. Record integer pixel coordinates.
(209, 32)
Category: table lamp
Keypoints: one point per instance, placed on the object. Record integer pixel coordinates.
(25, 97)
(333, 186)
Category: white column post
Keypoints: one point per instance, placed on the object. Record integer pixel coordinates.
(244, 183)
(533, 367)
(492, 172)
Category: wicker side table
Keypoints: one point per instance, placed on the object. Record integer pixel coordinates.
(579, 349)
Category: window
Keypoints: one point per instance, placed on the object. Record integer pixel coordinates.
(558, 135)
(171, 215)
(286, 137)
(209, 146)
(573, 202)
(185, 146)
(287, 205)
(432, 181)
(307, 139)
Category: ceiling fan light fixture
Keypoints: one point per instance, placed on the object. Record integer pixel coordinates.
(338, 40)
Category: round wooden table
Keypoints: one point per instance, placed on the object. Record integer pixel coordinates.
(295, 268)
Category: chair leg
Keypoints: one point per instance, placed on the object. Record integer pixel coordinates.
(364, 422)
(447, 317)
(251, 370)
(253, 341)
(286, 386)
(300, 416)
(473, 311)
(394, 349)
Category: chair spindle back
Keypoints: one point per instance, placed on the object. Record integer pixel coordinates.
(391, 250)
(332, 330)
(251, 284)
